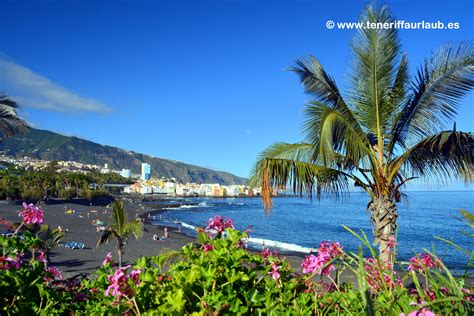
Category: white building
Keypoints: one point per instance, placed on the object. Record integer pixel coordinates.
(146, 171)
(126, 173)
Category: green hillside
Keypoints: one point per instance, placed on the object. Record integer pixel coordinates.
(46, 145)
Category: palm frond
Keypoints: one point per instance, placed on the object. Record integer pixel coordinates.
(135, 228)
(10, 122)
(336, 135)
(440, 85)
(105, 237)
(298, 151)
(444, 156)
(316, 81)
(400, 84)
(375, 72)
(302, 177)
(118, 215)
(323, 87)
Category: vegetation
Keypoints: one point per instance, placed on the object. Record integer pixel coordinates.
(10, 122)
(121, 229)
(40, 185)
(385, 132)
(218, 275)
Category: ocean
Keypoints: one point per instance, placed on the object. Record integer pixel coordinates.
(304, 223)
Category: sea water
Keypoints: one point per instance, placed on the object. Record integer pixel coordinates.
(300, 222)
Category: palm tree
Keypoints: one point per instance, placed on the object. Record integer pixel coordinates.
(48, 239)
(10, 123)
(120, 229)
(386, 131)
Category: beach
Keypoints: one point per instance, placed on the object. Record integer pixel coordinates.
(80, 229)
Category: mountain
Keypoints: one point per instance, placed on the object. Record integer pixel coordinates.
(46, 145)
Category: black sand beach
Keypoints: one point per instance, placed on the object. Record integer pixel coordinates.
(72, 262)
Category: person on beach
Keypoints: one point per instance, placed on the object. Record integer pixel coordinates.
(166, 235)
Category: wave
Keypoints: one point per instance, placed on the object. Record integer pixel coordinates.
(186, 206)
(265, 242)
(280, 245)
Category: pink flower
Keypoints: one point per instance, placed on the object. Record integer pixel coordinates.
(118, 282)
(42, 256)
(423, 312)
(328, 251)
(391, 242)
(107, 259)
(136, 276)
(274, 272)
(54, 272)
(380, 275)
(266, 253)
(6, 263)
(207, 247)
(424, 262)
(219, 224)
(31, 214)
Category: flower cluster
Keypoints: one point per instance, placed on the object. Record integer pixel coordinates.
(107, 259)
(328, 251)
(52, 273)
(219, 224)
(207, 247)
(6, 263)
(380, 275)
(274, 271)
(31, 214)
(423, 262)
(267, 252)
(119, 286)
(42, 256)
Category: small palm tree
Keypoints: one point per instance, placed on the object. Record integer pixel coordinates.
(49, 238)
(120, 229)
(10, 123)
(385, 132)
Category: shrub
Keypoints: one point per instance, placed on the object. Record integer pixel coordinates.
(218, 275)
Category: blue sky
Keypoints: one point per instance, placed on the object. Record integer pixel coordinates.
(199, 81)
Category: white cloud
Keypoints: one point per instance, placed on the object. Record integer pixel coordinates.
(33, 90)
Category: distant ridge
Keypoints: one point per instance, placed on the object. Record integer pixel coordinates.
(47, 145)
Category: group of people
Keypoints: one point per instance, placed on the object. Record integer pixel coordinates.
(165, 235)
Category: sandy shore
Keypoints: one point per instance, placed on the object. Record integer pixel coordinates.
(87, 260)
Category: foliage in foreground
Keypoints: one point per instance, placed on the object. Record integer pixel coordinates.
(218, 275)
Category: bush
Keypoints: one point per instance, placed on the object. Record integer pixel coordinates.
(218, 275)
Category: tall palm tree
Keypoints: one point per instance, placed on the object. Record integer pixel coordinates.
(121, 229)
(10, 122)
(386, 131)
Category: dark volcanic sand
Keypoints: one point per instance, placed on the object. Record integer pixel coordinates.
(72, 262)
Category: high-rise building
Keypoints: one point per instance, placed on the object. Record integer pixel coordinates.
(146, 171)
(126, 173)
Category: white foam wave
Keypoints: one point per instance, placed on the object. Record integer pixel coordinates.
(280, 245)
(182, 207)
(266, 242)
(187, 226)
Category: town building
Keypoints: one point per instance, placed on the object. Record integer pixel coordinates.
(146, 171)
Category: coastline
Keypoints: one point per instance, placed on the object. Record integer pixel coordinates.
(86, 261)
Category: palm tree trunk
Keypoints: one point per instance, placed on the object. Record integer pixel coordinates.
(383, 212)
(120, 252)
